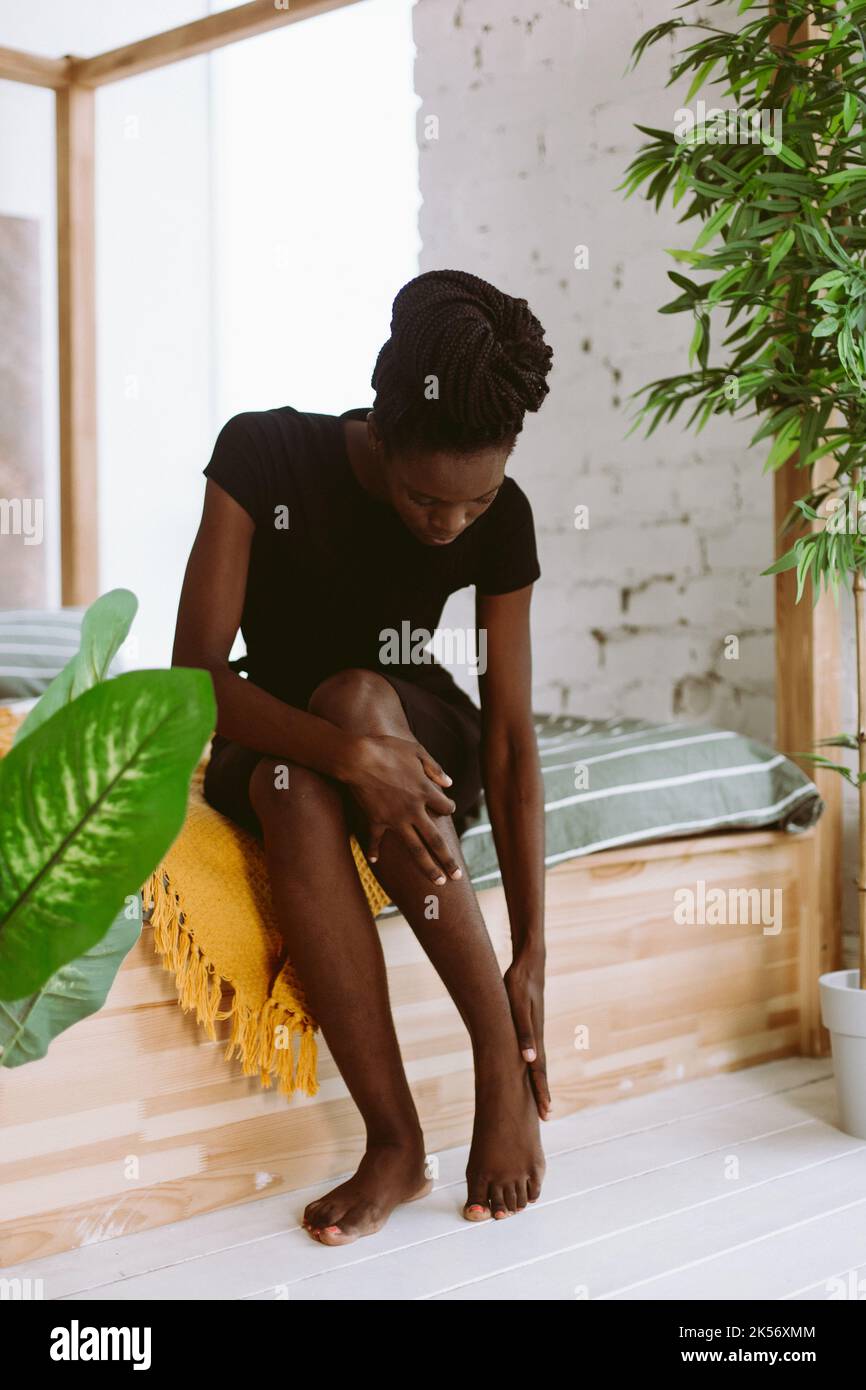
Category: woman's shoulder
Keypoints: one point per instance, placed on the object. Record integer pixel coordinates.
(512, 509)
(248, 424)
(507, 558)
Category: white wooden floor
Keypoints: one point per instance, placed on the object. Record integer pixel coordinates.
(734, 1187)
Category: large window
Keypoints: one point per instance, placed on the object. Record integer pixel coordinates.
(315, 205)
(257, 212)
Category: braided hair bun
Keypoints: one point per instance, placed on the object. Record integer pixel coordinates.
(463, 364)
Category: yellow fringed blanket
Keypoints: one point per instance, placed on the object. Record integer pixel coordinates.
(213, 926)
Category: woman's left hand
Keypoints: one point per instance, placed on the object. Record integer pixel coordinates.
(524, 984)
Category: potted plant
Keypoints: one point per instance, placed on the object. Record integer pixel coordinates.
(770, 165)
(92, 793)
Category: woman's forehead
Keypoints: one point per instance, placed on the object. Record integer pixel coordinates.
(452, 477)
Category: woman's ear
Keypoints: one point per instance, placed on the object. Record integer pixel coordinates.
(374, 438)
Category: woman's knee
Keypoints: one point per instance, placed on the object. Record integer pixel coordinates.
(358, 699)
(280, 790)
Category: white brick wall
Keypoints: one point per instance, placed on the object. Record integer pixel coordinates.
(536, 117)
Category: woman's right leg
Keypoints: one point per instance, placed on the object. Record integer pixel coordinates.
(333, 943)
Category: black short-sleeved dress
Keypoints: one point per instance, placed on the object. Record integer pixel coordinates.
(333, 572)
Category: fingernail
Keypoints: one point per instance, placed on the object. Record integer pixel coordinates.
(529, 1054)
(372, 858)
(448, 780)
(443, 879)
(458, 873)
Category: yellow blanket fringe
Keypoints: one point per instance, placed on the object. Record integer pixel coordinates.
(261, 1037)
(214, 929)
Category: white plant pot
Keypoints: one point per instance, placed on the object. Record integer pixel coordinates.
(843, 1013)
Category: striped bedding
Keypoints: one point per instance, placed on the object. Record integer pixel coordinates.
(35, 645)
(607, 782)
(622, 781)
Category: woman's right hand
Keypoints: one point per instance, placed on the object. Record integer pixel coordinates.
(397, 785)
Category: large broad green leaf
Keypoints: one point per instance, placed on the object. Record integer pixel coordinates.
(103, 629)
(89, 803)
(77, 989)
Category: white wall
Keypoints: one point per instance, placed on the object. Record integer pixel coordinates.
(315, 207)
(535, 130)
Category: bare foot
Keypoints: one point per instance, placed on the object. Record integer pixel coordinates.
(506, 1161)
(387, 1175)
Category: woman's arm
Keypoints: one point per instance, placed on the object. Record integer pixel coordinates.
(515, 800)
(209, 616)
(395, 780)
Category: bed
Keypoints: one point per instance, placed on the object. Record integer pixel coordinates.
(647, 986)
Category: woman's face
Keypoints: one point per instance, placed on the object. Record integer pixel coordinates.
(437, 495)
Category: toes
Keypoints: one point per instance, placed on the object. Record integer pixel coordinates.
(520, 1195)
(476, 1211)
(476, 1208)
(335, 1235)
(533, 1186)
(323, 1214)
(312, 1218)
(361, 1220)
(498, 1204)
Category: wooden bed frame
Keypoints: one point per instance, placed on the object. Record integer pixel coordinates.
(134, 1119)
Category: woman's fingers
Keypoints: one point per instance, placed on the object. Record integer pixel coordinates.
(440, 849)
(522, 1014)
(538, 1077)
(432, 768)
(374, 841)
(439, 803)
(422, 855)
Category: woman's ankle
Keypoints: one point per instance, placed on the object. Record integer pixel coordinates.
(387, 1135)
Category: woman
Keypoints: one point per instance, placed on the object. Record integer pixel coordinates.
(321, 537)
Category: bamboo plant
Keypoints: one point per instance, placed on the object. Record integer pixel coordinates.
(770, 168)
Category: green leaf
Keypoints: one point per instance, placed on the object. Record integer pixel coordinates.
(840, 741)
(77, 989)
(712, 226)
(825, 328)
(785, 153)
(849, 111)
(784, 446)
(844, 176)
(784, 562)
(103, 630)
(697, 339)
(779, 251)
(829, 280)
(830, 767)
(89, 803)
(700, 78)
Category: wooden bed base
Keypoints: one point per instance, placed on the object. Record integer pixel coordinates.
(134, 1119)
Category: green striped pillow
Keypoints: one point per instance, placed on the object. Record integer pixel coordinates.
(622, 781)
(34, 646)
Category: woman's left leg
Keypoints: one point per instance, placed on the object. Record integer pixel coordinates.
(506, 1160)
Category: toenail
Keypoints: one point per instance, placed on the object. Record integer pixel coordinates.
(333, 1231)
(476, 1208)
